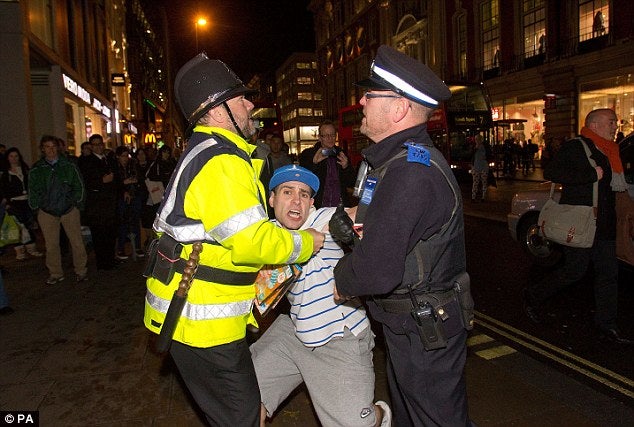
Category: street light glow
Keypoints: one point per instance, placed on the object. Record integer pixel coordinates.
(200, 22)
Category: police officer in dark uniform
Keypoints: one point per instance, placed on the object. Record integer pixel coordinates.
(409, 255)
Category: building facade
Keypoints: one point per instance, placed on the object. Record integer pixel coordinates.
(348, 33)
(299, 94)
(154, 112)
(66, 72)
(545, 64)
(549, 63)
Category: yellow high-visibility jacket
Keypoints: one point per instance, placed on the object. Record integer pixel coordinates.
(221, 204)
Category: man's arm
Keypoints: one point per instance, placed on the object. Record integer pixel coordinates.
(35, 189)
(571, 166)
(79, 195)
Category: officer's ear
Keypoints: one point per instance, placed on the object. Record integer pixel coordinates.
(271, 197)
(217, 114)
(401, 108)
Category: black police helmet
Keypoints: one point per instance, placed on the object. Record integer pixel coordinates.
(203, 83)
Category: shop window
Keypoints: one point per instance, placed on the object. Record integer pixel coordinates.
(304, 81)
(461, 37)
(534, 26)
(613, 92)
(490, 24)
(594, 19)
(41, 20)
(305, 112)
(304, 96)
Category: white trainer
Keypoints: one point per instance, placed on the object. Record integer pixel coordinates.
(386, 421)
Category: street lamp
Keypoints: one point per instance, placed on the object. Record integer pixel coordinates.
(199, 22)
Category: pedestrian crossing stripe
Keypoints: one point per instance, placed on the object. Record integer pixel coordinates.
(478, 339)
(495, 352)
(488, 353)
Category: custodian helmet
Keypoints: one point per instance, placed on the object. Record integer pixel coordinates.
(204, 83)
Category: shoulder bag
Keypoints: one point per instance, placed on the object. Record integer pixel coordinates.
(9, 231)
(156, 190)
(570, 225)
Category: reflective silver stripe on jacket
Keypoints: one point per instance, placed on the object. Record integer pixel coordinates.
(190, 232)
(238, 222)
(297, 247)
(202, 311)
(196, 231)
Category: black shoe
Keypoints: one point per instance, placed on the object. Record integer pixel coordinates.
(530, 307)
(614, 335)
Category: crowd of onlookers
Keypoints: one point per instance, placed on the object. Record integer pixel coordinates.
(101, 199)
(98, 200)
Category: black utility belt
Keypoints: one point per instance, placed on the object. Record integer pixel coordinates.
(431, 311)
(404, 305)
(163, 260)
(218, 275)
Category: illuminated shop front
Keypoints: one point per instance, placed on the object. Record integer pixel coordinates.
(616, 93)
(529, 121)
(85, 115)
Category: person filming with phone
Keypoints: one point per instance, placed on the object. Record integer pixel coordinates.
(332, 166)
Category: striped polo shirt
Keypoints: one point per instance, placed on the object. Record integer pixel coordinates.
(316, 316)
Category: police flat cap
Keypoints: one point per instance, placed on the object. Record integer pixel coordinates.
(395, 71)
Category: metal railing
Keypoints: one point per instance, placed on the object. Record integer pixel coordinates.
(566, 48)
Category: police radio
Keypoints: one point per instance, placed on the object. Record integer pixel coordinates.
(428, 323)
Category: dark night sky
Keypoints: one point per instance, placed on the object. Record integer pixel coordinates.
(250, 36)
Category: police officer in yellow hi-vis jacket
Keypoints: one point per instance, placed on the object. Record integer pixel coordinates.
(215, 197)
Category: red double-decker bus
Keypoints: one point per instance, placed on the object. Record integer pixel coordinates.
(350, 138)
(454, 125)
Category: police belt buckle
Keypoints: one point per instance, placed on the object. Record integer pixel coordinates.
(404, 305)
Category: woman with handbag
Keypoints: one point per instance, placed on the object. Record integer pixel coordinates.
(571, 168)
(14, 183)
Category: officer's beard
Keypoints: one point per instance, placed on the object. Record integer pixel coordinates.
(247, 131)
(251, 130)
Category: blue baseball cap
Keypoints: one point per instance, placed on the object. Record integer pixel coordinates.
(294, 173)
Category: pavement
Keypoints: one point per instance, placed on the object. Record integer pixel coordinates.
(78, 355)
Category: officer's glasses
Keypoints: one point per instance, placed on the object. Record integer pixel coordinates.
(372, 95)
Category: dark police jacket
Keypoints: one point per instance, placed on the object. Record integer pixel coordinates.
(411, 202)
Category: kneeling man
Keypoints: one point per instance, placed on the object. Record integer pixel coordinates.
(326, 344)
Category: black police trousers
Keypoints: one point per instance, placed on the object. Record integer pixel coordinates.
(427, 388)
